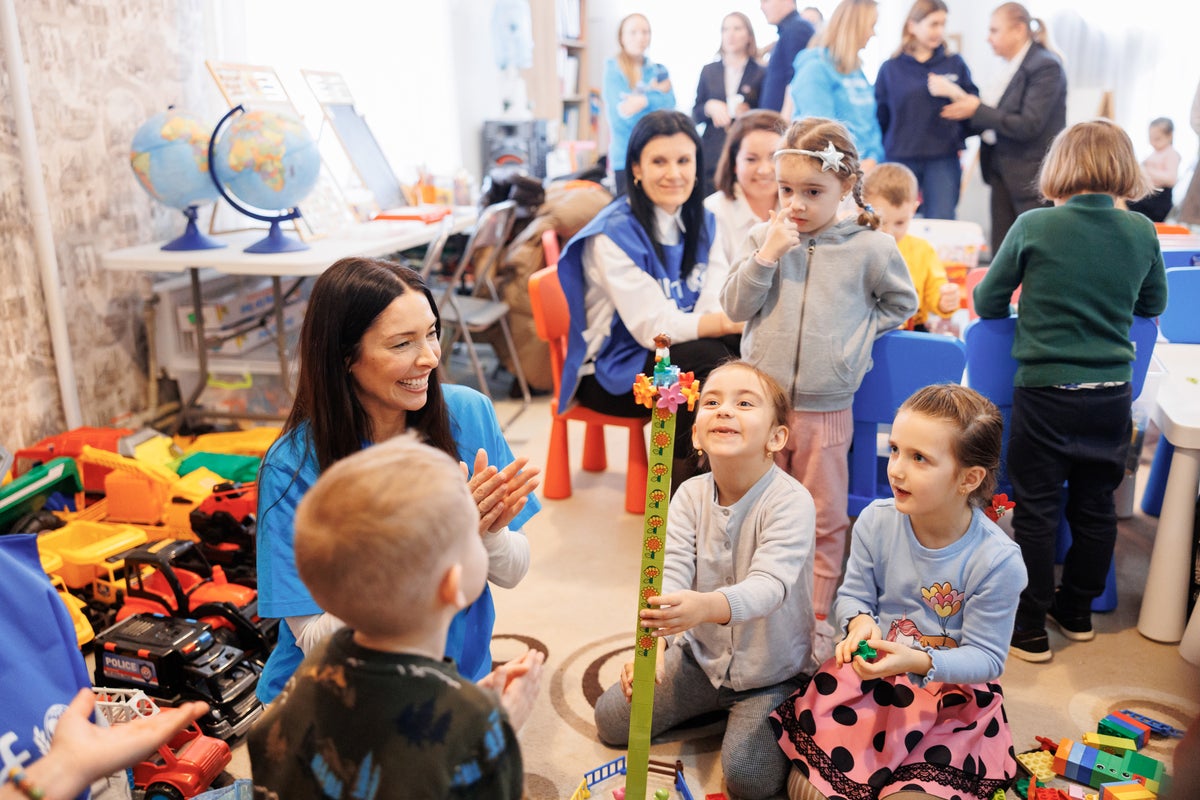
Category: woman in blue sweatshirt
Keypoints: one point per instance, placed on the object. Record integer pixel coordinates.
(914, 133)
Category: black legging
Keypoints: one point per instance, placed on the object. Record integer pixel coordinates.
(699, 357)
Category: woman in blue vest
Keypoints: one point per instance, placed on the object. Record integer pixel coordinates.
(640, 268)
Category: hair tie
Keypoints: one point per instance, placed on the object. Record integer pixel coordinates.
(830, 157)
(870, 209)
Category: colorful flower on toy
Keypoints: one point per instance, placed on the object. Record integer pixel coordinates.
(644, 391)
(670, 397)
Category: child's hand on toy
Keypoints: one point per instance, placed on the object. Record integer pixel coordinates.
(948, 298)
(627, 672)
(517, 682)
(500, 494)
(680, 611)
(782, 236)
(860, 628)
(893, 659)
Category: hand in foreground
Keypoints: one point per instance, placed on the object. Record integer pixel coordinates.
(82, 751)
(893, 659)
(782, 236)
(680, 611)
(948, 298)
(517, 682)
(963, 108)
(861, 627)
(500, 494)
(627, 673)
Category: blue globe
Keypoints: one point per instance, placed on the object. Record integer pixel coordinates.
(169, 156)
(267, 160)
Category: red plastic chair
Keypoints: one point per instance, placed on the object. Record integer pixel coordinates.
(552, 319)
(974, 276)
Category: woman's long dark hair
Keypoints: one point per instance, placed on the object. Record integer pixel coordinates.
(651, 126)
(345, 301)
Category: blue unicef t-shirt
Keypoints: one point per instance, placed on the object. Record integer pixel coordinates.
(290, 469)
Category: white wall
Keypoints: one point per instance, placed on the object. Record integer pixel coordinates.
(423, 73)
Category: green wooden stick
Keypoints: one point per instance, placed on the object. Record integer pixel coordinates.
(654, 536)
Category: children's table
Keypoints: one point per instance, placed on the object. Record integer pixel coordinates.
(1163, 616)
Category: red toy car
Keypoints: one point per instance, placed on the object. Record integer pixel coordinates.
(183, 767)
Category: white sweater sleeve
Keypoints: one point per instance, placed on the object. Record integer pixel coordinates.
(508, 557)
(309, 630)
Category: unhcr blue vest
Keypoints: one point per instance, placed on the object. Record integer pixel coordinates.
(621, 357)
(41, 668)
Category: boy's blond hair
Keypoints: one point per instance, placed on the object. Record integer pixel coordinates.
(1092, 157)
(377, 531)
(893, 183)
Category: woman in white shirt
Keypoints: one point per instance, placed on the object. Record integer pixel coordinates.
(745, 178)
(649, 263)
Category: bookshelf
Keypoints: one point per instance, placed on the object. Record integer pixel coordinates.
(558, 82)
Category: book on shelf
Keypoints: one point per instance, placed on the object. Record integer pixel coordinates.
(570, 130)
(569, 22)
(569, 76)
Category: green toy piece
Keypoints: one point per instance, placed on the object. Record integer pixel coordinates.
(661, 794)
(865, 650)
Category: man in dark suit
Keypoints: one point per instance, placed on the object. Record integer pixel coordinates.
(794, 33)
(1017, 127)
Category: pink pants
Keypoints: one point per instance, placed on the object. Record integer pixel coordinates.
(816, 455)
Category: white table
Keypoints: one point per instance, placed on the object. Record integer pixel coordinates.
(1164, 602)
(366, 239)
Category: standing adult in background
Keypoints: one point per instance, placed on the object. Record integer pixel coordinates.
(1017, 117)
(633, 87)
(1189, 209)
(814, 17)
(746, 188)
(829, 81)
(914, 132)
(728, 87)
(794, 34)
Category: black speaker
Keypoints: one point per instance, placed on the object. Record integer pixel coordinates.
(521, 143)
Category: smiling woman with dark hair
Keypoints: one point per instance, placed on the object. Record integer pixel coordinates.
(369, 352)
(647, 265)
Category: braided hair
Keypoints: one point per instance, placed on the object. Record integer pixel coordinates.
(815, 134)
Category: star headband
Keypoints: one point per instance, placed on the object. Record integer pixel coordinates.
(830, 157)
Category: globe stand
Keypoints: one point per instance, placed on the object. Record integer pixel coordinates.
(192, 238)
(276, 241)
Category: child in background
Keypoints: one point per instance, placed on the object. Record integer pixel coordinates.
(891, 190)
(736, 585)
(1162, 167)
(930, 569)
(815, 294)
(1085, 268)
(388, 541)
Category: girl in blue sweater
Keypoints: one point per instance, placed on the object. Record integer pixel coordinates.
(931, 587)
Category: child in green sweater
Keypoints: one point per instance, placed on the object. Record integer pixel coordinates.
(1085, 268)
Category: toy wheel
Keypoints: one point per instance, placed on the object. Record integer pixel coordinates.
(162, 791)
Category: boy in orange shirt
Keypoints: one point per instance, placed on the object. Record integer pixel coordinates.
(892, 191)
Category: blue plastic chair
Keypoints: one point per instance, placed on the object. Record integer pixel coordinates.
(903, 362)
(991, 370)
(1180, 323)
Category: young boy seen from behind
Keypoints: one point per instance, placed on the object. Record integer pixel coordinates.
(892, 191)
(387, 540)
